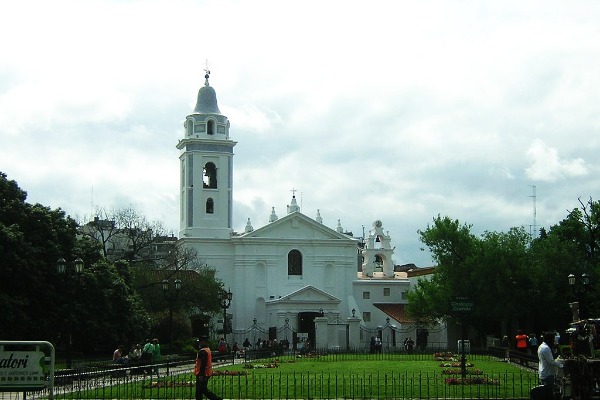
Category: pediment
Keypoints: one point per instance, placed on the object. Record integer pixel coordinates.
(308, 294)
(297, 226)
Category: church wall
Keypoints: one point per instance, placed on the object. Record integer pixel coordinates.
(217, 254)
(375, 289)
(262, 271)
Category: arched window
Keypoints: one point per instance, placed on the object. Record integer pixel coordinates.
(210, 127)
(210, 206)
(209, 176)
(294, 263)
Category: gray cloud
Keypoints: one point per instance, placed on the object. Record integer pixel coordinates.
(398, 112)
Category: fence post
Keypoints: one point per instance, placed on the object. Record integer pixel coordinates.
(353, 332)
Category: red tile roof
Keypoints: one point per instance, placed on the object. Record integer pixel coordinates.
(395, 311)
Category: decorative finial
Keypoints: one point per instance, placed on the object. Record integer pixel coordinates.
(293, 192)
(206, 73)
(249, 227)
(273, 216)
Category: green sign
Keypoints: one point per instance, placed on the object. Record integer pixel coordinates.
(462, 304)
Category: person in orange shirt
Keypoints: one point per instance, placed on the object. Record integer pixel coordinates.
(521, 339)
(203, 370)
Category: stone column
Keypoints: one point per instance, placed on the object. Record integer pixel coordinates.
(321, 334)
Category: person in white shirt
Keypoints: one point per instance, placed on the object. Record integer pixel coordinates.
(548, 366)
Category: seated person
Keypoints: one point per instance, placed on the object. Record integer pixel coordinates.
(136, 352)
(118, 355)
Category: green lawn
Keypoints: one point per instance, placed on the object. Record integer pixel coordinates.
(328, 377)
(363, 376)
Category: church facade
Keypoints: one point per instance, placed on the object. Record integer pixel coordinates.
(293, 279)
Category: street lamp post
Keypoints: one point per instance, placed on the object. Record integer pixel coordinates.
(286, 327)
(171, 297)
(226, 297)
(388, 331)
(573, 283)
(61, 268)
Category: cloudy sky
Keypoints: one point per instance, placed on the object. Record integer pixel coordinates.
(391, 110)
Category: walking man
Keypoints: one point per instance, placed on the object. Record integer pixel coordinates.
(548, 366)
(203, 370)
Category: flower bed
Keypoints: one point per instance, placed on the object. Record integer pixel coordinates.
(455, 365)
(168, 384)
(228, 373)
(445, 356)
(308, 355)
(254, 366)
(458, 372)
(455, 368)
(479, 380)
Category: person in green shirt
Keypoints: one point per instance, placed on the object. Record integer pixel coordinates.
(147, 355)
(155, 354)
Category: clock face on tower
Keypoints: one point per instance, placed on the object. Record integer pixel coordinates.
(377, 224)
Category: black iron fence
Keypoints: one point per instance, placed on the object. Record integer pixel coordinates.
(174, 379)
(309, 385)
(82, 371)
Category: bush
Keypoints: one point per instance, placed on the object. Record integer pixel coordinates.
(566, 351)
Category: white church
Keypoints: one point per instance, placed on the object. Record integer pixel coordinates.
(293, 279)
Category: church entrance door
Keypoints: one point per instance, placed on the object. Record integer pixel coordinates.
(306, 327)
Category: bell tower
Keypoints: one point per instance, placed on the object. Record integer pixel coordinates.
(206, 170)
(378, 253)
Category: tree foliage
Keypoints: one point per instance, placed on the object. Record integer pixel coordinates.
(515, 283)
(32, 238)
(38, 303)
(198, 296)
(451, 245)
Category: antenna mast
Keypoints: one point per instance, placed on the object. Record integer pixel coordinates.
(533, 228)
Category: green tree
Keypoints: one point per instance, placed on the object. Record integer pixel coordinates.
(569, 247)
(198, 297)
(32, 238)
(504, 289)
(451, 245)
(38, 303)
(100, 308)
(514, 282)
(490, 270)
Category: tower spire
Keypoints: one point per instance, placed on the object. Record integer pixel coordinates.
(207, 98)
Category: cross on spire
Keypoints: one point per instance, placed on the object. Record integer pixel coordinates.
(293, 192)
(206, 73)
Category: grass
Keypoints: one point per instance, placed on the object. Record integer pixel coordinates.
(353, 377)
